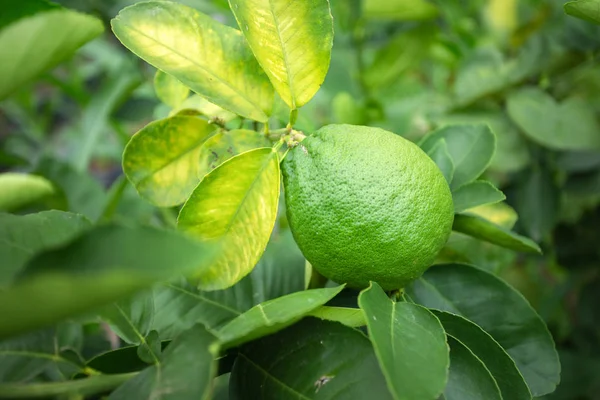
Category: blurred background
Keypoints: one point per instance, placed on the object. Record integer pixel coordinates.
(522, 66)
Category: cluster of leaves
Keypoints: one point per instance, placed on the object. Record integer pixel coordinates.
(248, 324)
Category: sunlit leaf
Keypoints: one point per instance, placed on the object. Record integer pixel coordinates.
(274, 315)
(410, 345)
(399, 10)
(35, 43)
(20, 190)
(291, 40)
(569, 125)
(352, 317)
(234, 207)
(169, 90)
(225, 144)
(208, 57)
(483, 229)
(588, 10)
(161, 160)
(466, 291)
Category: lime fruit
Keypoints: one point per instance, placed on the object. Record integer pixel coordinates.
(366, 205)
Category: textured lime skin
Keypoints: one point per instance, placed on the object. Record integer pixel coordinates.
(366, 205)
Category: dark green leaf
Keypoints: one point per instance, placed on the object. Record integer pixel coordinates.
(337, 363)
(273, 315)
(161, 160)
(185, 371)
(466, 291)
(280, 271)
(537, 202)
(79, 387)
(483, 229)
(104, 265)
(235, 206)
(469, 379)
(475, 194)
(495, 359)
(470, 146)
(410, 345)
(131, 318)
(21, 237)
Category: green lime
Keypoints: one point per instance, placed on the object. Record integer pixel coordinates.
(366, 205)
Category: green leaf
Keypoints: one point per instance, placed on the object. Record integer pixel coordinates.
(14, 10)
(410, 345)
(234, 207)
(466, 291)
(482, 229)
(104, 265)
(19, 190)
(196, 103)
(511, 147)
(440, 155)
(570, 125)
(401, 53)
(225, 144)
(21, 237)
(291, 40)
(36, 43)
(468, 379)
(470, 146)
(24, 357)
(337, 363)
(169, 90)
(131, 319)
(588, 10)
(150, 348)
(161, 160)
(352, 317)
(95, 121)
(399, 10)
(475, 194)
(185, 371)
(120, 361)
(273, 316)
(494, 358)
(77, 388)
(279, 272)
(208, 57)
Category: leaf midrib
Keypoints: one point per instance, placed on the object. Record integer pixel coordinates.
(285, 55)
(221, 80)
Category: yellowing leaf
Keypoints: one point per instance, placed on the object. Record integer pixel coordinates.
(169, 90)
(292, 41)
(234, 207)
(161, 160)
(208, 57)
